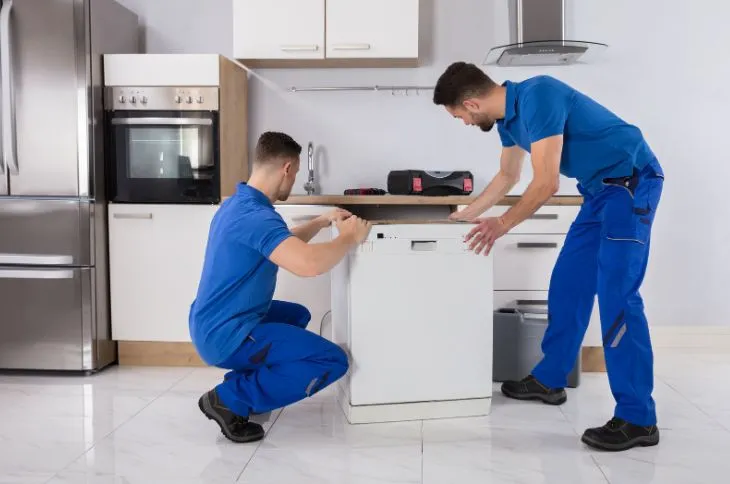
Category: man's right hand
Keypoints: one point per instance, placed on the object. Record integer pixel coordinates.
(354, 229)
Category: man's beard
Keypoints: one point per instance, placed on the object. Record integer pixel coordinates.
(483, 122)
(486, 126)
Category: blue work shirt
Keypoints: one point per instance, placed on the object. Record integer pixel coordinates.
(597, 144)
(238, 280)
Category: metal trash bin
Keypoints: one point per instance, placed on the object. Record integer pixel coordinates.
(518, 332)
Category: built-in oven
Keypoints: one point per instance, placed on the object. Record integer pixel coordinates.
(163, 144)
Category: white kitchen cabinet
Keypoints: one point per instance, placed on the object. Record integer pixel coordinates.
(279, 29)
(524, 259)
(419, 342)
(156, 256)
(385, 29)
(311, 292)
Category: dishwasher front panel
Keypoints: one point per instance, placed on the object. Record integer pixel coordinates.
(419, 305)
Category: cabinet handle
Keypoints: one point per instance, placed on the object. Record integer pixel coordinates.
(300, 48)
(531, 302)
(351, 47)
(537, 245)
(133, 216)
(423, 245)
(544, 216)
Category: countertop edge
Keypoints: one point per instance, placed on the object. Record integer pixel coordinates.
(570, 200)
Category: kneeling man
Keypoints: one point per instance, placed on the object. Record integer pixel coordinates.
(234, 324)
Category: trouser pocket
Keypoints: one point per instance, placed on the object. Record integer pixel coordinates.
(631, 206)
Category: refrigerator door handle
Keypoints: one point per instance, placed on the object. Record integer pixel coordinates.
(36, 274)
(9, 138)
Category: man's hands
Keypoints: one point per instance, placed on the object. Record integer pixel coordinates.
(354, 229)
(485, 234)
(333, 216)
(463, 215)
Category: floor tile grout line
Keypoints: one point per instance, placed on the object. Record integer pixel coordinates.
(423, 423)
(125, 422)
(258, 446)
(702, 411)
(600, 469)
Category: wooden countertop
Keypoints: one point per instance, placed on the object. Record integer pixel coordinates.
(408, 200)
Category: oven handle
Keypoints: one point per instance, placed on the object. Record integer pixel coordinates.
(163, 121)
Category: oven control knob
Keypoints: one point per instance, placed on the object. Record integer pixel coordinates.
(122, 99)
(133, 100)
(178, 99)
(200, 99)
(189, 100)
(143, 100)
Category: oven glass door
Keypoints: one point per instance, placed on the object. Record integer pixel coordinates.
(164, 157)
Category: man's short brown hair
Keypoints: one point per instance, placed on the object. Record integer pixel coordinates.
(459, 82)
(273, 145)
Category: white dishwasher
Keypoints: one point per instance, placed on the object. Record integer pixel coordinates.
(413, 308)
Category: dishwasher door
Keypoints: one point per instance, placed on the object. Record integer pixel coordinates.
(420, 310)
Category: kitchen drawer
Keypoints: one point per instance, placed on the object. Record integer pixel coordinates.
(546, 220)
(524, 262)
(532, 299)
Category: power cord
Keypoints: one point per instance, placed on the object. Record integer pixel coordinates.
(321, 321)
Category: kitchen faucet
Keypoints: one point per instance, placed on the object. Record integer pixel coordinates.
(309, 186)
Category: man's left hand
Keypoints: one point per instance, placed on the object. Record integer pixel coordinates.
(484, 234)
(334, 216)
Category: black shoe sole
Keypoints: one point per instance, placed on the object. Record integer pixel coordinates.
(554, 399)
(644, 441)
(205, 407)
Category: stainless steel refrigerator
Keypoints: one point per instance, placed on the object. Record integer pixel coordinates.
(54, 303)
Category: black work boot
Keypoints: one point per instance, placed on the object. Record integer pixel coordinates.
(619, 434)
(530, 389)
(234, 427)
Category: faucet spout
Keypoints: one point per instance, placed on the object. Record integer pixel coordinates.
(309, 186)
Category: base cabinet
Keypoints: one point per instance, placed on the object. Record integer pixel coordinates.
(156, 257)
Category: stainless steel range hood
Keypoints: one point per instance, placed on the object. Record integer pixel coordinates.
(538, 37)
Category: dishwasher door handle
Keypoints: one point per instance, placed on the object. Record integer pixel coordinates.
(423, 245)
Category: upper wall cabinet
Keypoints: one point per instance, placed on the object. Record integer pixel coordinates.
(326, 33)
(278, 29)
(385, 29)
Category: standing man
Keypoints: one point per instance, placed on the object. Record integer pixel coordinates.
(273, 360)
(607, 247)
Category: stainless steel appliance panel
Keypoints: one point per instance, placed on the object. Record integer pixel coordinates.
(113, 30)
(46, 232)
(43, 312)
(42, 53)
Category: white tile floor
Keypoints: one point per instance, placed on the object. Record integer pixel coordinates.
(142, 425)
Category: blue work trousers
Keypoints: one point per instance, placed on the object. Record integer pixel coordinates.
(606, 253)
(280, 363)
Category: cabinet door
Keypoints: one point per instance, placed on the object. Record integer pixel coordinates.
(381, 29)
(156, 256)
(278, 29)
(311, 292)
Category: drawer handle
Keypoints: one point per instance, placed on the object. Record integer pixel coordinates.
(544, 216)
(300, 48)
(531, 302)
(423, 245)
(351, 47)
(537, 245)
(133, 216)
(36, 274)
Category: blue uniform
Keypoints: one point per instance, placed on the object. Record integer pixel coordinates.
(607, 247)
(234, 323)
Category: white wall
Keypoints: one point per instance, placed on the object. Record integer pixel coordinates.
(666, 70)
